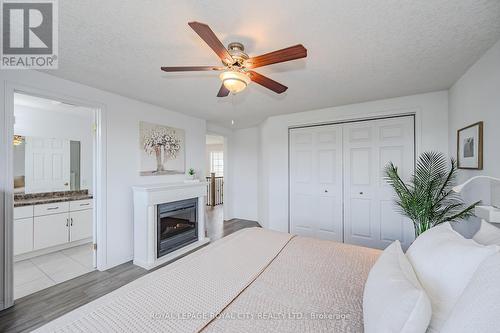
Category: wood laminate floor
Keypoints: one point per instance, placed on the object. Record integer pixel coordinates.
(41, 307)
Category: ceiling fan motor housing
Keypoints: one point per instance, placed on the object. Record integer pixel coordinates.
(236, 50)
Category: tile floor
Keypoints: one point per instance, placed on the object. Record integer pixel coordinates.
(41, 272)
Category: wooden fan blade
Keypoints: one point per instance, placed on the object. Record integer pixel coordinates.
(211, 39)
(192, 68)
(223, 91)
(290, 53)
(267, 82)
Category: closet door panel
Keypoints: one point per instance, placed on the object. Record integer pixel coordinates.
(316, 182)
(392, 224)
(302, 196)
(303, 219)
(360, 212)
(371, 217)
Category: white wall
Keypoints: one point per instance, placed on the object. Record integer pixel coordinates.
(244, 165)
(432, 134)
(60, 125)
(476, 97)
(123, 117)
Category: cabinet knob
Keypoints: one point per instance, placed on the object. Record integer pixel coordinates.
(361, 193)
(326, 191)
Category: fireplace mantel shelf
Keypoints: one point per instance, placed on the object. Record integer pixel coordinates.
(146, 199)
(166, 186)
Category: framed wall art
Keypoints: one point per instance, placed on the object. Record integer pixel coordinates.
(470, 147)
(162, 150)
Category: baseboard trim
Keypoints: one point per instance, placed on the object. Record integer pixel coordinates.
(51, 249)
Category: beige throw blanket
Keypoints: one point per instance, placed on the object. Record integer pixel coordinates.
(254, 280)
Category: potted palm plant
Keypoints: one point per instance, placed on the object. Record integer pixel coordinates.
(428, 199)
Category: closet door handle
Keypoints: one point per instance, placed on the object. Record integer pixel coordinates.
(71, 221)
(67, 222)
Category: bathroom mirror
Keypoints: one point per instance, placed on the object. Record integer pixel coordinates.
(47, 165)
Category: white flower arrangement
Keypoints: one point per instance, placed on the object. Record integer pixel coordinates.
(154, 139)
(159, 140)
(171, 144)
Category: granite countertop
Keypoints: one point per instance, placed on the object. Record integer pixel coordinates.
(21, 200)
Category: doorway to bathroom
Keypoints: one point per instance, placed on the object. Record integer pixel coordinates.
(53, 180)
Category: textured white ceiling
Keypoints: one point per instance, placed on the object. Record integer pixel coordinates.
(357, 50)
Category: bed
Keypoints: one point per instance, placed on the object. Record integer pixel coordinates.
(254, 280)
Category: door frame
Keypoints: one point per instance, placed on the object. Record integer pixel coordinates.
(416, 113)
(99, 178)
(226, 212)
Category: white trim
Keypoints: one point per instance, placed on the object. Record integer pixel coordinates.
(51, 249)
(8, 199)
(100, 189)
(99, 176)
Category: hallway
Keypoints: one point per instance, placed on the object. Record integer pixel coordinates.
(217, 228)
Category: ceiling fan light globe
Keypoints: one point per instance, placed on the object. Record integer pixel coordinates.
(234, 81)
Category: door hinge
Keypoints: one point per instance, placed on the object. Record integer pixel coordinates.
(94, 247)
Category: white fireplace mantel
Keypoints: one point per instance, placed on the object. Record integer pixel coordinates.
(146, 199)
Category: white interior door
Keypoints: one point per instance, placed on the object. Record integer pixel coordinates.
(47, 165)
(316, 182)
(370, 216)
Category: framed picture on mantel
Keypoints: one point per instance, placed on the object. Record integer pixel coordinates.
(470, 147)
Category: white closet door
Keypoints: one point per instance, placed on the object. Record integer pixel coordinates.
(316, 182)
(370, 216)
(47, 165)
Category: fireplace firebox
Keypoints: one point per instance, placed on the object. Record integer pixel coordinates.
(177, 225)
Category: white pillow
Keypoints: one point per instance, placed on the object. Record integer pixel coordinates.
(478, 309)
(393, 299)
(487, 234)
(444, 262)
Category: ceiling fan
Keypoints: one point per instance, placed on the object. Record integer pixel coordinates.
(237, 65)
